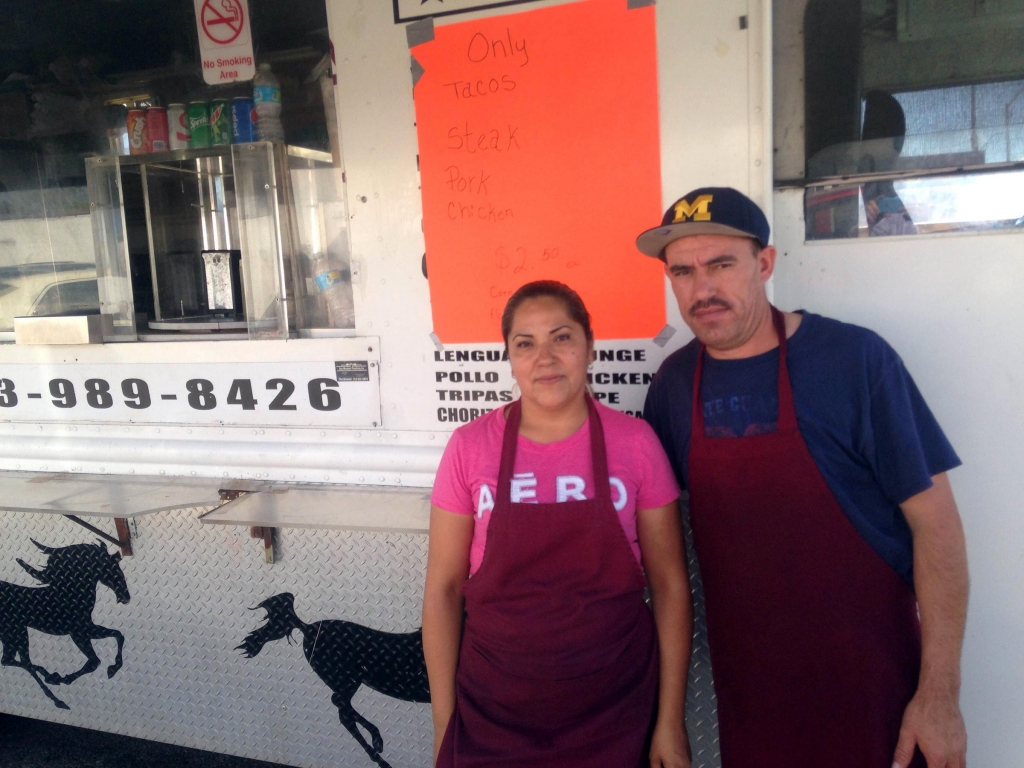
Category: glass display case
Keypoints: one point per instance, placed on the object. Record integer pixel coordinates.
(240, 241)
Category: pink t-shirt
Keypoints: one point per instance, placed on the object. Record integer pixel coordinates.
(639, 472)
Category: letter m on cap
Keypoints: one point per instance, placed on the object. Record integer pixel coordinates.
(698, 210)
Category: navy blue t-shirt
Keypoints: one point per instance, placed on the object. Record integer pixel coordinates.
(865, 423)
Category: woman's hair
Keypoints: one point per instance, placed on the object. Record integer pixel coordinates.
(543, 288)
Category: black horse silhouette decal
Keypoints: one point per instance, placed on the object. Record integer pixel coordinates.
(63, 606)
(346, 656)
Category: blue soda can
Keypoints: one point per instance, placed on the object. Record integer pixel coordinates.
(243, 128)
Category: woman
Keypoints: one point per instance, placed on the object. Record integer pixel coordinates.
(538, 535)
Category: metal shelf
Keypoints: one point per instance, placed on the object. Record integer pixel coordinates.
(224, 150)
(353, 508)
(104, 495)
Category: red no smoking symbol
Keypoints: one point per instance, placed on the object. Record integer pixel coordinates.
(223, 20)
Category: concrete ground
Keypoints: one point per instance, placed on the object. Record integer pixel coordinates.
(36, 744)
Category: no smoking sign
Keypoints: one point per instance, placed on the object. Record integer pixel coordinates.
(225, 40)
(223, 25)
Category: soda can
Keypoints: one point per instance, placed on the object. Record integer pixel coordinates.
(116, 119)
(137, 138)
(220, 123)
(243, 129)
(157, 129)
(177, 118)
(199, 125)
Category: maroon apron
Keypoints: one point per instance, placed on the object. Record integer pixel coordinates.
(559, 657)
(814, 639)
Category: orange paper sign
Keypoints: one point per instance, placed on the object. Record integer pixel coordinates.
(538, 138)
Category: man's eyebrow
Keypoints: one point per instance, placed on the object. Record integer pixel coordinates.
(719, 259)
(724, 258)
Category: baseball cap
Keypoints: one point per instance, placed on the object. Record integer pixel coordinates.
(707, 211)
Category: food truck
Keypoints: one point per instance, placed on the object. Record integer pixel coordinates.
(229, 367)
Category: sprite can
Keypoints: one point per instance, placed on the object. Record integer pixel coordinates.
(220, 123)
(199, 125)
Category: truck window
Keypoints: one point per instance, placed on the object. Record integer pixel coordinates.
(187, 233)
(913, 115)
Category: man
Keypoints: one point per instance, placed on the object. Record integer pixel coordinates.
(823, 520)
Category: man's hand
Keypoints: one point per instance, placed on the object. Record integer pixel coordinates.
(933, 722)
(871, 211)
(670, 747)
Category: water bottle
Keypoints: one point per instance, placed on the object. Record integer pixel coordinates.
(330, 279)
(266, 95)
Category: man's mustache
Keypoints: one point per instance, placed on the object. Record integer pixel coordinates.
(708, 303)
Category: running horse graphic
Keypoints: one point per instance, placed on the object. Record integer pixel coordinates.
(346, 656)
(63, 606)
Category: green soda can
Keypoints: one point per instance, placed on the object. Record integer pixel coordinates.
(199, 125)
(220, 123)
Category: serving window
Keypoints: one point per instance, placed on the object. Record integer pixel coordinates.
(242, 239)
(914, 117)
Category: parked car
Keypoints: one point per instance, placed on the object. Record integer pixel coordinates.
(47, 288)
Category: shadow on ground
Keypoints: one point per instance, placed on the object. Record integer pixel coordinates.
(35, 744)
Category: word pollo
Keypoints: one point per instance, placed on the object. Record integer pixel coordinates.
(458, 377)
(481, 48)
(471, 89)
(494, 139)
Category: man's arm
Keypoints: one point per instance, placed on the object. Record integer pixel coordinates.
(932, 720)
(451, 536)
(661, 544)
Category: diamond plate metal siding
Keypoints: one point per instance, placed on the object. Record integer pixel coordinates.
(701, 703)
(192, 587)
(183, 682)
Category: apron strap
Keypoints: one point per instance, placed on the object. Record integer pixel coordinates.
(503, 494)
(787, 412)
(598, 454)
(510, 441)
(697, 414)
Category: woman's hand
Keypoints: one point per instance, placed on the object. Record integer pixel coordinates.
(438, 738)
(670, 747)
